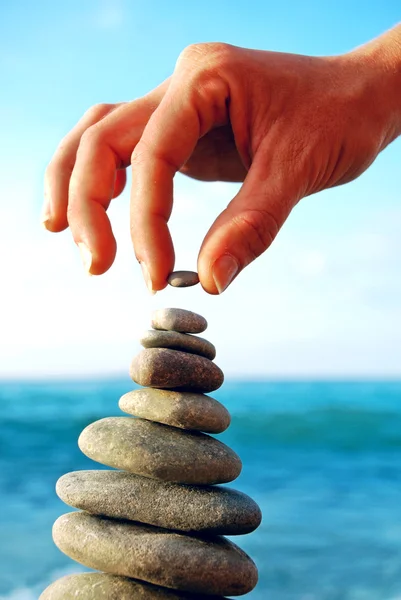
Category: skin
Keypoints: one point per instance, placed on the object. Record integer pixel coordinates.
(285, 125)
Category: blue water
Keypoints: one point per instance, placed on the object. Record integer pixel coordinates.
(323, 460)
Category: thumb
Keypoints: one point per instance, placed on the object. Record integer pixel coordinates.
(246, 228)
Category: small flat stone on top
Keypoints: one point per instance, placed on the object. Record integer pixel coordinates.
(155, 338)
(185, 410)
(178, 319)
(183, 278)
(102, 586)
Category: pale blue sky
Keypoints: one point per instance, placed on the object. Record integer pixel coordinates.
(324, 301)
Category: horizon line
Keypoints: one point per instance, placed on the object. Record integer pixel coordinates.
(249, 378)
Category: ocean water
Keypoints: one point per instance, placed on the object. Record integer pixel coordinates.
(323, 460)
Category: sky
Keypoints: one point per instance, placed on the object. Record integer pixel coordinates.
(323, 302)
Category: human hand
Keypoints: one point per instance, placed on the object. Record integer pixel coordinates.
(286, 125)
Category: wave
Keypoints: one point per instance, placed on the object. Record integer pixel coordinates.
(341, 428)
(33, 592)
(339, 416)
(330, 427)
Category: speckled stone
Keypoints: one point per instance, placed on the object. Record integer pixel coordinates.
(183, 278)
(193, 509)
(178, 319)
(178, 341)
(159, 451)
(102, 586)
(172, 369)
(205, 565)
(179, 409)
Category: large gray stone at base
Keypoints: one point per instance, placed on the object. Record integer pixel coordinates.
(178, 341)
(178, 319)
(173, 369)
(159, 451)
(102, 586)
(204, 565)
(179, 409)
(201, 509)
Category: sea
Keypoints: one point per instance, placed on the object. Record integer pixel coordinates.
(322, 459)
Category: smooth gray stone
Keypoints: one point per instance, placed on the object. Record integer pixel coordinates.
(178, 341)
(179, 409)
(102, 586)
(203, 565)
(192, 509)
(178, 319)
(172, 369)
(183, 278)
(159, 451)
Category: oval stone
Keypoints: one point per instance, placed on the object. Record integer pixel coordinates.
(179, 409)
(178, 341)
(178, 319)
(183, 278)
(173, 369)
(159, 451)
(102, 586)
(205, 565)
(193, 509)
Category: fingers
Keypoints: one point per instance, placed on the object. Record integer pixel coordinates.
(186, 113)
(248, 226)
(104, 150)
(58, 173)
(90, 170)
(156, 159)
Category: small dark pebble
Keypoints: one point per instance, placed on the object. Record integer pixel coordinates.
(183, 278)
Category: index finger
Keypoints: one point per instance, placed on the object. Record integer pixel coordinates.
(185, 114)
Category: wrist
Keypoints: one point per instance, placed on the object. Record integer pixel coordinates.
(379, 63)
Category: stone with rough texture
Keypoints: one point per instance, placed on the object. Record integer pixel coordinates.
(179, 409)
(201, 509)
(178, 341)
(102, 586)
(203, 565)
(183, 278)
(159, 451)
(172, 369)
(178, 319)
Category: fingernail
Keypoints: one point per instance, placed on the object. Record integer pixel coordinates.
(146, 276)
(46, 212)
(45, 218)
(86, 256)
(224, 270)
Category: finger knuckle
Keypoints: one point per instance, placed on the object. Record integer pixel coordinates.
(61, 162)
(257, 229)
(139, 155)
(193, 53)
(93, 137)
(98, 111)
(207, 69)
(208, 54)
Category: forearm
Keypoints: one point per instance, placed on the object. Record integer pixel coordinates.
(382, 59)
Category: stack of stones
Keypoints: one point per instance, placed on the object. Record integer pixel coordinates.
(155, 527)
